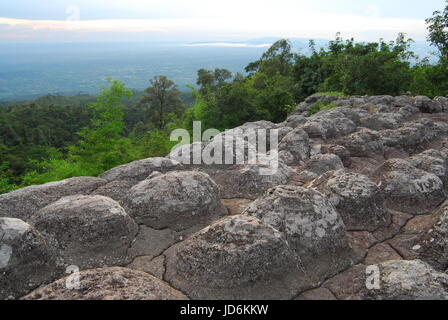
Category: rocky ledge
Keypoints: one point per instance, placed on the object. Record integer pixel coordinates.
(355, 210)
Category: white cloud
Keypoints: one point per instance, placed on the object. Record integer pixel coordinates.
(294, 22)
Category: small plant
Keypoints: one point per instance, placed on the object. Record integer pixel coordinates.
(335, 94)
(321, 106)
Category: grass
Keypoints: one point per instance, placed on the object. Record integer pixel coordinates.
(334, 93)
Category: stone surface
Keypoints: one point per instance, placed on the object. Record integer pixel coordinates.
(347, 285)
(153, 266)
(139, 170)
(26, 259)
(236, 206)
(320, 164)
(109, 284)
(23, 203)
(409, 189)
(295, 147)
(434, 246)
(89, 231)
(311, 225)
(116, 190)
(250, 181)
(364, 143)
(176, 200)
(381, 253)
(235, 258)
(409, 280)
(319, 294)
(358, 200)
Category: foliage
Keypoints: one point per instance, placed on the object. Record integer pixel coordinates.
(321, 106)
(438, 31)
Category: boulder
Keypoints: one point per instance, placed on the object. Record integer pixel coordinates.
(89, 231)
(338, 150)
(237, 258)
(443, 101)
(295, 147)
(432, 161)
(408, 189)
(411, 136)
(358, 200)
(116, 190)
(364, 143)
(382, 121)
(320, 164)
(23, 203)
(310, 224)
(27, 261)
(108, 284)
(434, 247)
(329, 125)
(139, 170)
(408, 280)
(250, 181)
(426, 105)
(295, 121)
(177, 200)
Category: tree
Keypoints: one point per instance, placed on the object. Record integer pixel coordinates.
(212, 80)
(162, 98)
(277, 59)
(438, 31)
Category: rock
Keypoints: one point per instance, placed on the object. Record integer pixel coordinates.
(381, 253)
(426, 105)
(408, 280)
(152, 243)
(319, 294)
(434, 245)
(153, 266)
(310, 224)
(361, 241)
(347, 285)
(27, 261)
(319, 165)
(236, 258)
(295, 121)
(382, 121)
(116, 190)
(325, 125)
(405, 245)
(23, 203)
(364, 143)
(409, 189)
(443, 101)
(358, 200)
(89, 231)
(338, 150)
(432, 161)
(139, 170)
(297, 144)
(411, 136)
(176, 200)
(236, 206)
(250, 181)
(109, 284)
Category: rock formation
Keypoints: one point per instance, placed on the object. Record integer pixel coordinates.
(355, 209)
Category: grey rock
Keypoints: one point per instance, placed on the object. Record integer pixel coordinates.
(432, 161)
(89, 231)
(236, 258)
(408, 280)
(251, 181)
(139, 170)
(176, 200)
(310, 224)
(109, 284)
(116, 190)
(321, 164)
(426, 105)
(434, 245)
(27, 261)
(408, 189)
(382, 121)
(23, 203)
(364, 143)
(295, 121)
(338, 150)
(358, 200)
(296, 144)
(443, 101)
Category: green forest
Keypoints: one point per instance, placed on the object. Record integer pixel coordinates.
(56, 137)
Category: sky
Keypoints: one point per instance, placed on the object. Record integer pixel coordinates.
(211, 20)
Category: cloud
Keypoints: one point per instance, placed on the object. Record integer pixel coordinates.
(292, 24)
